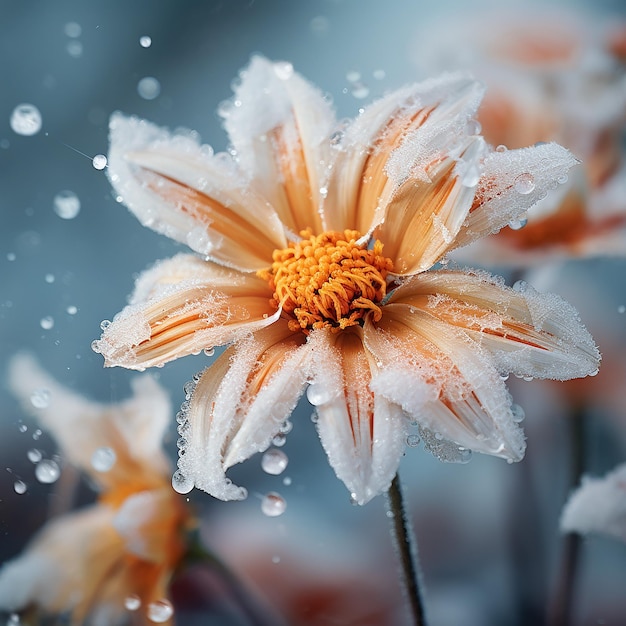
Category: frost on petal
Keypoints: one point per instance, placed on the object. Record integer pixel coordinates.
(444, 381)
(511, 182)
(238, 404)
(279, 126)
(394, 139)
(181, 189)
(525, 332)
(598, 506)
(183, 306)
(89, 549)
(363, 433)
(133, 429)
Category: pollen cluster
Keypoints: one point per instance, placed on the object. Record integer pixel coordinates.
(328, 280)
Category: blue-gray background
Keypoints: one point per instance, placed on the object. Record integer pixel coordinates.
(48, 264)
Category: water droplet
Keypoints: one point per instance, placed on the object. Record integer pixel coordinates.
(273, 504)
(317, 394)
(323, 191)
(412, 440)
(46, 322)
(353, 76)
(160, 611)
(279, 440)
(518, 224)
(283, 70)
(473, 127)
(518, 413)
(181, 483)
(23, 428)
(14, 620)
(132, 602)
(149, 88)
(360, 90)
(47, 471)
(562, 179)
(11, 256)
(274, 462)
(209, 351)
(471, 176)
(66, 204)
(40, 398)
(49, 278)
(73, 29)
(71, 310)
(103, 459)
(520, 286)
(20, 487)
(104, 324)
(36, 434)
(524, 183)
(145, 41)
(34, 455)
(198, 239)
(501, 148)
(379, 74)
(26, 120)
(287, 481)
(99, 161)
(74, 48)
(621, 308)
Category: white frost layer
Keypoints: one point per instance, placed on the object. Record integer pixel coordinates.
(598, 506)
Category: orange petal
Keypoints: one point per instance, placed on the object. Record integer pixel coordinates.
(211, 307)
(180, 189)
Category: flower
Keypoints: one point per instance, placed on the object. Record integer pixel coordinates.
(552, 75)
(598, 506)
(119, 553)
(316, 249)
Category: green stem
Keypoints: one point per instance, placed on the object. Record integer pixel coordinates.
(407, 551)
(560, 613)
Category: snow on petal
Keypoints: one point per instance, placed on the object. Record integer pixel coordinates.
(511, 182)
(526, 333)
(181, 189)
(598, 506)
(363, 433)
(365, 176)
(251, 381)
(279, 126)
(441, 379)
(171, 316)
(133, 429)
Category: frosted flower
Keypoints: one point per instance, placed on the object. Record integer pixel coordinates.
(126, 545)
(598, 506)
(552, 75)
(317, 248)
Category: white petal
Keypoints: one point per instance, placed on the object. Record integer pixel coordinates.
(362, 433)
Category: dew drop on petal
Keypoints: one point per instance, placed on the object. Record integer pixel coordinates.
(132, 602)
(99, 161)
(360, 90)
(145, 41)
(524, 183)
(520, 286)
(47, 322)
(149, 88)
(104, 324)
(284, 70)
(23, 428)
(20, 487)
(518, 413)
(473, 127)
(273, 504)
(66, 204)
(47, 471)
(34, 455)
(160, 611)
(413, 440)
(317, 395)
(26, 120)
(274, 461)
(36, 434)
(501, 148)
(279, 440)
(209, 351)
(518, 224)
(40, 398)
(181, 483)
(562, 179)
(103, 459)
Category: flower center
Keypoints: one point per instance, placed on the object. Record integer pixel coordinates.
(328, 280)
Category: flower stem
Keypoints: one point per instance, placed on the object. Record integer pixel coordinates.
(560, 612)
(407, 551)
